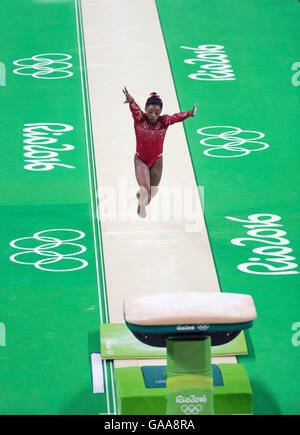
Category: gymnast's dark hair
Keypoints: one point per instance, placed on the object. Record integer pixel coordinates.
(154, 99)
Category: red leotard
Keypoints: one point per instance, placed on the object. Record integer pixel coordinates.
(150, 138)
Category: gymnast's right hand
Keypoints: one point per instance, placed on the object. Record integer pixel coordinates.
(129, 98)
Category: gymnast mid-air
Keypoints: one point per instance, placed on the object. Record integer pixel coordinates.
(150, 129)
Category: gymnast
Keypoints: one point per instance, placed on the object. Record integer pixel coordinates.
(150, 129)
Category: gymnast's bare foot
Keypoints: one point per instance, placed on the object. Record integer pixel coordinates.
(141, 210)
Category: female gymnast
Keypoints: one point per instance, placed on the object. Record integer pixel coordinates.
(150, 129)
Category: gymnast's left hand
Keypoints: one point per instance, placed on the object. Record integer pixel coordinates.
(194, 109)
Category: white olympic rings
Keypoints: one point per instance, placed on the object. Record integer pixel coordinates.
(47, 250)
(191, 409)
(45, 66)
(226, 143)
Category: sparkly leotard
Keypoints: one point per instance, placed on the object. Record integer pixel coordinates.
(150, 138)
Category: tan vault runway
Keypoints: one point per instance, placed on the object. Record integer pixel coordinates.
(168, 251)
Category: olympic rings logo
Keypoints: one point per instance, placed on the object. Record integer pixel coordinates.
(45, 66)
(226, 142)
(53, 248)
(191, 409)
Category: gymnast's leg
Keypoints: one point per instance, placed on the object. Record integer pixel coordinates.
(155, 177)
(142, 174)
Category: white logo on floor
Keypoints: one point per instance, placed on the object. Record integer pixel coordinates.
(296, 75)
(38, 156)
(57, 246)
(45, 66)
(191, 409)
(264, 230)
(296, 336)
(2, 74)
(216, 65)
(2, 334)
(225, 141)
(191, 403)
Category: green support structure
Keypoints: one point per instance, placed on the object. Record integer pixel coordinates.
(189, 377)
(142, 390)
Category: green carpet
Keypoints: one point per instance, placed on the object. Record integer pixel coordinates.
(237, 64)
(243, 145)
(52, 281)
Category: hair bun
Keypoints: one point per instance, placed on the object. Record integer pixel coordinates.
(154, 94)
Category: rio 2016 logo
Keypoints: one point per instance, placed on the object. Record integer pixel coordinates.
(37, 138)
(275, 254)
(215, 64)
(2, 334)
(191, 405)
(296, 335)
(296, 75)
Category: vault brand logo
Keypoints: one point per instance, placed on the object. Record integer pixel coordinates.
(45, 66)
(191, 399)
(185, 328)
(216, 65)
(225, 141)
(274, 259)
(54, 246)
(192, 404)
(38, 156)
(192, 327)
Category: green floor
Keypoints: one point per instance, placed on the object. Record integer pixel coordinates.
(51, 318)
(259, 39)
(49, 321)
